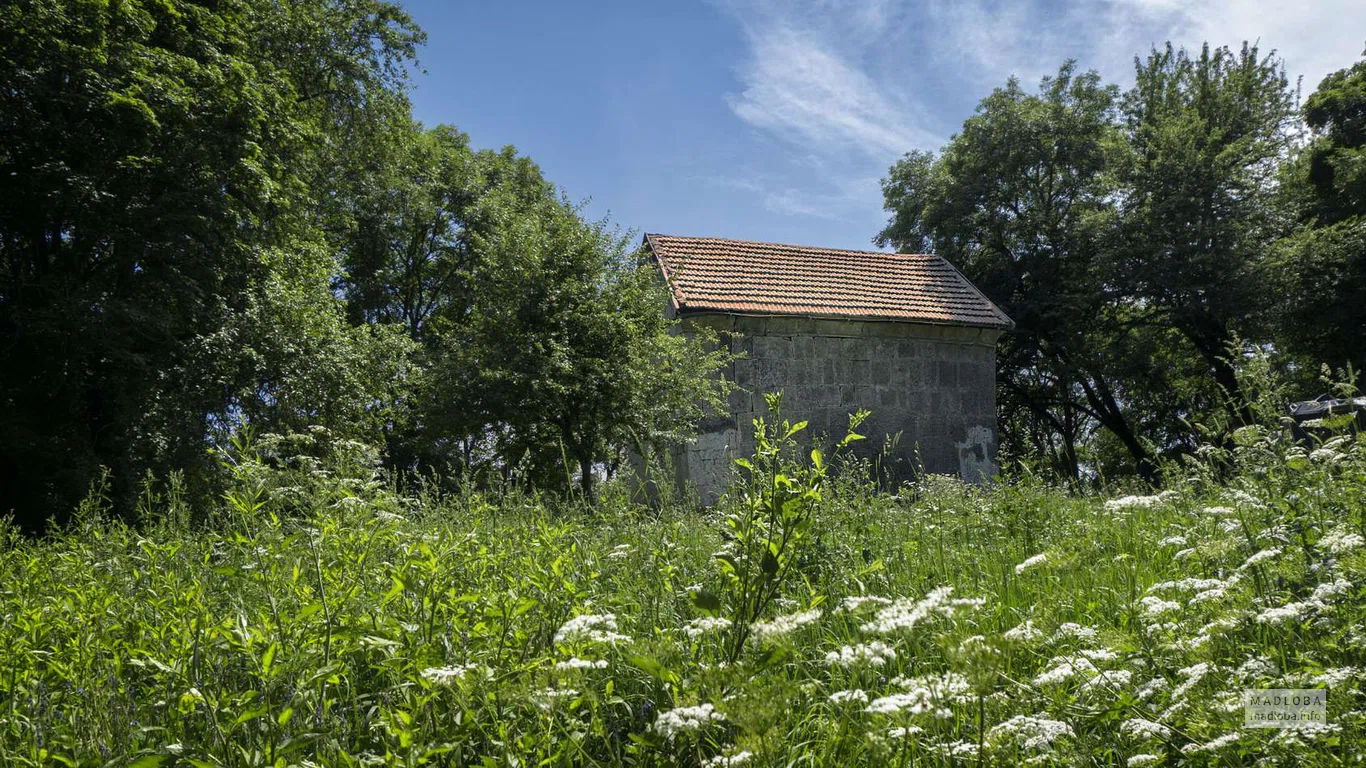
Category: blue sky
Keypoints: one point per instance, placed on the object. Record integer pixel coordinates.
(772, 120)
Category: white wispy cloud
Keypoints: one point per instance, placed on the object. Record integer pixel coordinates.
(844, 87)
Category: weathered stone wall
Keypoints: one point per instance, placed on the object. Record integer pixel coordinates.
(935, 385)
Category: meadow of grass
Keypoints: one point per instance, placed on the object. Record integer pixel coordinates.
(323, 617)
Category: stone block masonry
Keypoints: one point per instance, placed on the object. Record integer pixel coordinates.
(932, 386)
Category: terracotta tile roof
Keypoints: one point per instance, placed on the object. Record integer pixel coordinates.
(708, 274)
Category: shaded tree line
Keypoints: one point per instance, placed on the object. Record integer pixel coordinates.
(219, 216)
(1145, 240)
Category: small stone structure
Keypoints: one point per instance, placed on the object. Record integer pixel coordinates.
(905, 336)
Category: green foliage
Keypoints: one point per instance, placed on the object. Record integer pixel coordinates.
(1129, 236)
(156, 163)
(1322, 312)
(564, 358)
(326, 619)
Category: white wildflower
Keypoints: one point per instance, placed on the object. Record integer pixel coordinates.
(448, 675)
(686, 719)
(590, 627)
(1335, 677)
(1061, 669)
(547, 697)
(1144, 729)
(950, 687)
(846, 697)
(1185, 553)
(914, 703)
(1254, 667)
(782, 626)
(1173, 541)
(1139, 760)
(1285, 613)
(1324, 455)
(722, 761)
(1193, 674)
(1329, 590)
(577, 663)
(874, 654)
(704, 626)
(1024, 632)
(1115, 678)
(1031, 562)
(906, 613)
(1220, 511)
(620, 551)
(1151, 688)
(1261, 557)
(1074, 631)
(1156, 606)
(1209, 595)
(1341, 541)
(1032, 733)
(1213, 745)
(905, 732)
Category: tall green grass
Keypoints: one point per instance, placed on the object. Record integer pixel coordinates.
(323, 618)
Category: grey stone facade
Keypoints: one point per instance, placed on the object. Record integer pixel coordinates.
(934, 385)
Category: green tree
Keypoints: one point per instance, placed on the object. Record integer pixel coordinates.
(566, 360)
(1020, 201)
(1321, 268)
(157, 161)
(1205, 136)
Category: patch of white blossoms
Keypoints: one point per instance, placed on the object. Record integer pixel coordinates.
(1031, 562)
(591, 628)
(686, 720)
(906, 612)
(1032, 733)
(874, 654)
(1139, 502)
(705, 625)
(1023, 633)
(449, 675)
(1144, 729)
(782, 626)
(577, 664)
(854, 696)
(1340, 541)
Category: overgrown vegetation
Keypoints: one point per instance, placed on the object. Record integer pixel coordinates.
(1136, 236)
(324, 618)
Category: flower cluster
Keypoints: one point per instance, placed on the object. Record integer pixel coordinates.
(906, 613)
(874, 654)
(782, 626)
(590, 628)
(686, 720)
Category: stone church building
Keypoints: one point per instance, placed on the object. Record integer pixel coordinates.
(905, 336)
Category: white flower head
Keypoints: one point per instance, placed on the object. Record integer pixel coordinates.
(1032, 733)
(576, 663)
(705, 625)
(1031, 562)
(846, 697)
(449, 675)
(686, 720)
(874, 654)
(906, 612)
(1023, 633)
(781, 626)
(1140, 728)
(590, 628)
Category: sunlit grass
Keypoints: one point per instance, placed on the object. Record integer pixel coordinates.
(322, 618)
